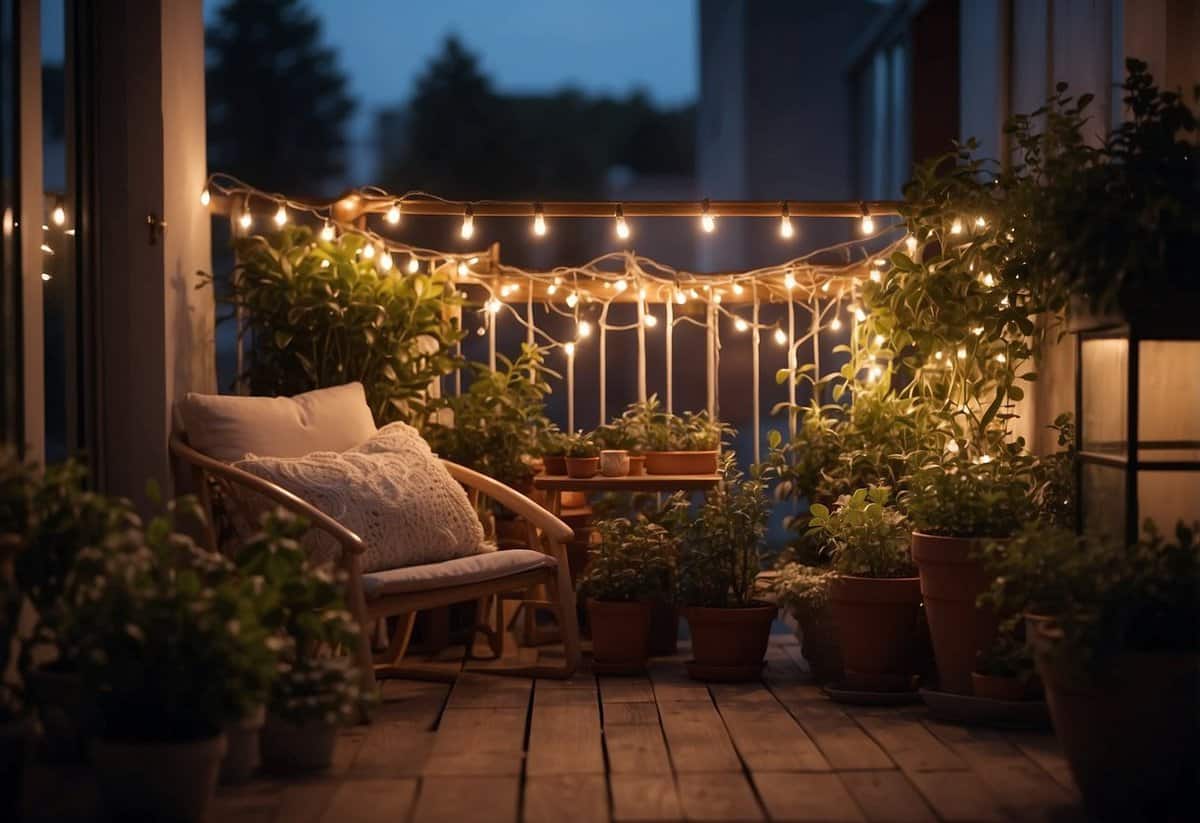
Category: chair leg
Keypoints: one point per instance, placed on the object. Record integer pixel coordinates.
(398, 642)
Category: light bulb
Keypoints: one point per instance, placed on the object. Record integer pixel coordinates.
(693, 293)
(738, 288)
(825, 287)
(716, 298)
(368, 251)
(707, 224)
(876, 276)
(621, 285)
(876, 373)
(622, 226)
(650, 320)
(851, 308)
(481, 331)
(324, 264)
(492, 305)
(868, 224)
(740, 324)
(988, 280)
(680, 297)
(584, 329)
(780, 337)
(281, 216)
(414, 265)
(786, 231)
(327, 233)
(962, 354)
(385, 261)
(789, 281)
(978, 330)
(463, 271)
(1000, 358)
(937, 355)
(468, 225)
(572, 300)
(46, 249)
(59, 215)
(956, 226)
(880, 340)
(569, 348)
(393, 214)
(205, 197)
(557, 280)
(910, 243)
(980, 222)
(860, 315)
(835, 324)
(245, 221)
(539, 221)
(642, 294)
(551, 289)
(45, 276)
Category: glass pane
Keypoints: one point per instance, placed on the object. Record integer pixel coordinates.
(1168, 497)
(1169, 400)
(1104, 373)
(11, 401)
(1103, 500)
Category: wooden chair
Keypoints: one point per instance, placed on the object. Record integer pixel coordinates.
(401, 593)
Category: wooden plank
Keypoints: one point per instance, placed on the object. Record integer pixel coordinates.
(580, 798)
(842, 741)
(636, 749)
(392, 750)
(907, 742)
(806, 796)
(618, 714)
(478, 742)
(371, 801)
(696, 737)
(769, 739)
(672, 683)
(728, 694)
(958, 795)
(252, 803)
(625, 690)
(724, 796)
(640, 797)
(887, 796)
(467, 800)
(1044, 750)
(565, 739)
(474, 690)
(410, 701)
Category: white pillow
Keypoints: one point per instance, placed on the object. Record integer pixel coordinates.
(391, 491)
(228, 427)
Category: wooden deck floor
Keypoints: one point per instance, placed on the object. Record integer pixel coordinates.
(662, 747)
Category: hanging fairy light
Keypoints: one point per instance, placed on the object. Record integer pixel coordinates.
(464, 270)
(786, 231)
(622, 226)
(569, 348)
(468, 224)
(789, 281)
(740, 324)
(414, 265)
(393, 214)
(980, 223)
(551, 289)
(780, 337)
(584, 329)
(867, 225)
(327, 233)
(492, 306)
(737, 288)
(368, 251)
(835, 323)
(650, 320)
(572, 300)
(680, 297)
(988, 280)
(59, 215)
(385, 262)
(707, 223)
(539, 221)
(281, 216)
(956, 226)
(910, 243)
(246, 220)
(860, 315)
(621, 285)
(205, 197)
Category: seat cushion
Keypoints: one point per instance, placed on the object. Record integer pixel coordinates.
(461, 572)
(228, 427)
(391, 491)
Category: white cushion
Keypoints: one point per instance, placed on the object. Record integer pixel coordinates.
(461, 572)
(228, 427)
(391, 491)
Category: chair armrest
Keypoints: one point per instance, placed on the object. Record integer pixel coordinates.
(513, 500)
(349, 541)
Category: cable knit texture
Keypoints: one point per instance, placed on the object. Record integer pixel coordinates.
(391, 491)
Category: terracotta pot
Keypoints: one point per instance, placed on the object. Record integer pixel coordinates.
(288, 747)
(1132, 739)
(681, 462)
(614, 462)
(620, 633)
(876, 623)
(243, 754)
(156, 780)
(16, 739)
(555, 465)
(637, 465)
(730, 637)
(819, 643)
(583, 467)
(67, 725)
(993, 687)
(951, 580)
(664, 628)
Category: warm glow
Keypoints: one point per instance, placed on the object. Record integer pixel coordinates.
(492, 305)
(740, 324)
(327, 233)
(468, 226)
(860, 315)
(414, 265)
(962, 354)
(622, 228)
(369, 251)
(572, 299)
(680, 297)
(463, 271)
(789, 281)
(584, 329)
(780, 337)
(980, 222)
(539, 224)
(956, 226)
(205, 198)
(786, 231)
(835, 324)
(281, 216)
(59, 215)
(910, 243)
(738, 288)
(551, 289)
(385, 261)
(880, 340)
(868, 225)
(621, 285)
(988, 280)
(393, 214)
(650, 320)
(245, 221)
(876, 276)
(707, 223)
(569, 348)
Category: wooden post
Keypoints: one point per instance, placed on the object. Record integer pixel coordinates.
(754, 371)
(670, 341)
(571, 388)
(710, 356)
(641, 353)
(791, 364)
(815, 308)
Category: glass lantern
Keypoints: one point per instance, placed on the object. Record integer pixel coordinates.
(1137, 405)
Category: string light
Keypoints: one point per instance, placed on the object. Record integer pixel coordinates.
(860, 315)
(707, 223)
(59, 215)
(393, 214)
(45, 276)
(650, 320)
(825, 287)
(463, 271)
(868, 224)
(492, 305)
(569, 348)
(738, 288)
(875, 373)
(468, 224)
(789, 281)
(369, 251)
(642, 294)
(780, 337)
(680, 297)
(246, 220)
(539, 220)
(740, 324)
(572, 300)
(716, 298)
(324, 264)
(46, 249)
(385, 261)
(910, 243)
(876, 276)
(327, 232)
(980, 223)
(584, 329)
(622, 226)
(621, 285)
(551, 289)
(414, 265)
(785, 223)
(988, 280)
(205, 197)
(978, 330)
(880, 340)
(281, 216)
(956, 226)
(835, 324)
(1000, 358)
(938, 355)
(962, 354)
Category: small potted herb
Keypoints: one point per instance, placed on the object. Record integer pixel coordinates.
(1004, 671)
(583, 456)
(804, 590)
(874, 596)
(628, 570)
(614, 442)
(957, 506)
(554, 452)
(721, 559)
(684, 444)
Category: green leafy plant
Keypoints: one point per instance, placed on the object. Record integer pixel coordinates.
(615, 436)
(864, 535)
(656, 429)
(802, 588)
(958, 497)
(723, 544)
(499, 422)
(322, 314)
(582, 445)
(1008, 656)
(634, 560)
(553, 443)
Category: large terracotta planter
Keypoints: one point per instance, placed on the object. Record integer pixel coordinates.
(731, 642)
(620, 634)
(664, 628)
(637, 465)
(681, 462)
(555, 464)
(951, 580)
(157, 781)
(819, 643)
(65, 716)
(876, 622)
(1132, 738)
(993, 687)
(583, 467)
(289, 748)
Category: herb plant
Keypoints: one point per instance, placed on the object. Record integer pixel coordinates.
(958, 497)
(582, 445)
(863, 535)
(802, 588)
(634, 560)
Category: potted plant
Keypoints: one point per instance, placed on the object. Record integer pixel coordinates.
(636, 423)
(1118, 652)
(554, 451)
(684, 444)
(303, 605)
(614, 442)
(583, 456)
(16, 731)
(804, 590)
(957, 506)
(1004, 671)
(170, 649)
(631, 567)
(720, 561)
(874, 596)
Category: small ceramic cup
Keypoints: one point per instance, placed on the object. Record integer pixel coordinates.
(614, 462)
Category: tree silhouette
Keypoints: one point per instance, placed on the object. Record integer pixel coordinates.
(277, 101)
